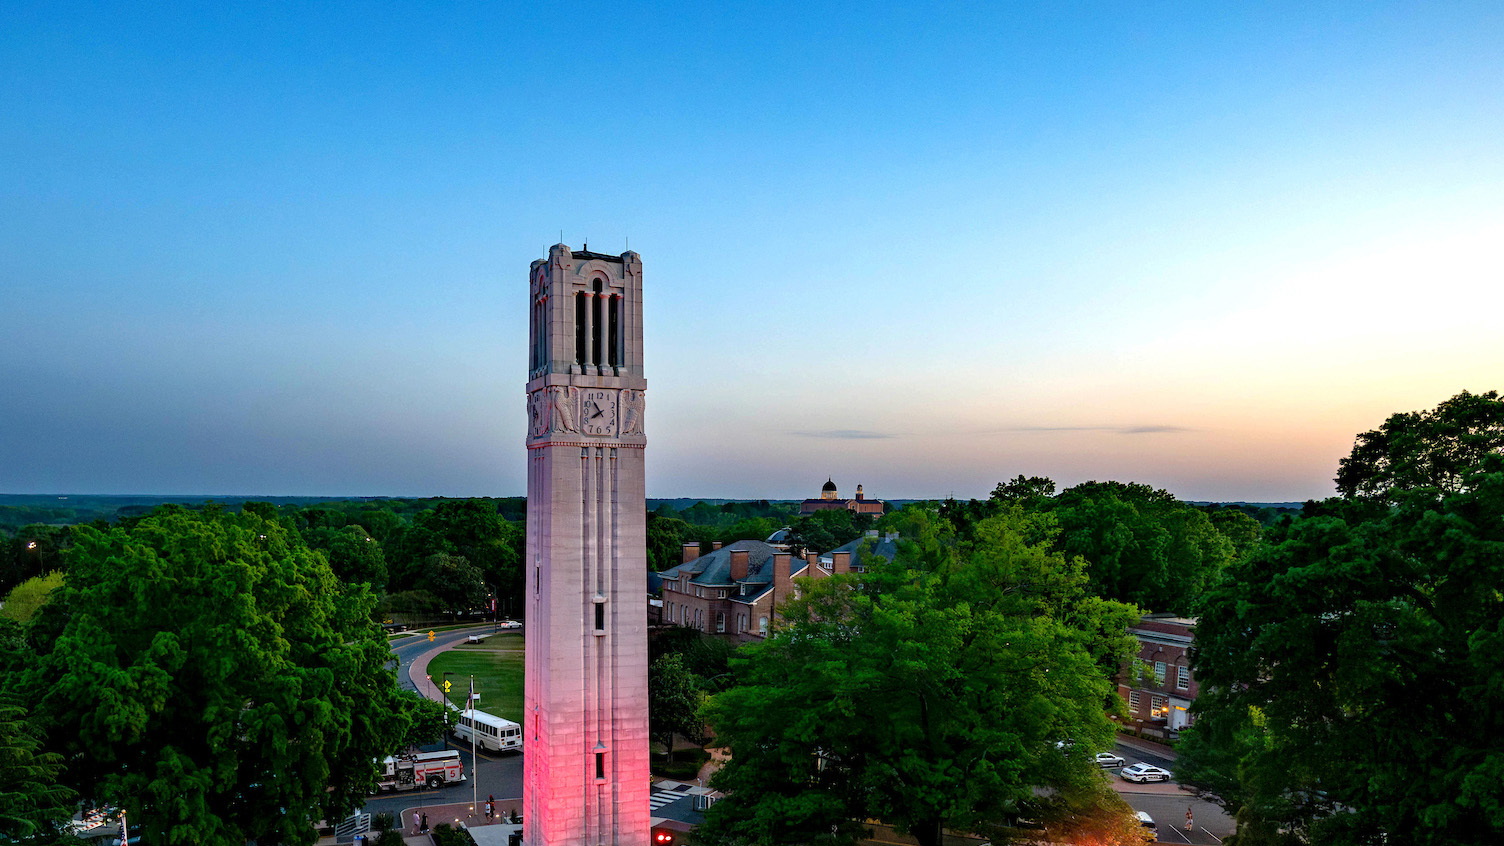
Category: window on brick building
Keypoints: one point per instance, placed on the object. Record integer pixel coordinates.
(762, 625)
(1158, 707)
(1159, 672)
(720, 622)
(1183, 678)
(1133, 700)
(721, 594)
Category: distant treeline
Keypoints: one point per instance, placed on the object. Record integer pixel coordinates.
(431, 556)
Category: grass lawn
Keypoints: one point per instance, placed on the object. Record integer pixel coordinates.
(497, 666)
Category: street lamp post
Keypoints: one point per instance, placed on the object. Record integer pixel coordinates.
(446, 708)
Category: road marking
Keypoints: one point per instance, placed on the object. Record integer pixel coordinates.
(1178, 834)
(1213, 836)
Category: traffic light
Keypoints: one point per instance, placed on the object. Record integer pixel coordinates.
(430, 637)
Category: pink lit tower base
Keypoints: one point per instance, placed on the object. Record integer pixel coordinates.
(585, 730)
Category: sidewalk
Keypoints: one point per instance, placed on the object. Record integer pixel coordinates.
(458, 812)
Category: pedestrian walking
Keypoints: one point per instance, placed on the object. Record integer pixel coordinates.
(490, 810)
(424, 829)
(1189, 823)
(415, 822)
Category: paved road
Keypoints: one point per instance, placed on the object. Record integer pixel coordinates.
(501, 775)
(498, 775)
(1167, 802)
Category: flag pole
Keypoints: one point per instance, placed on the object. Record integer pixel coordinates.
(474, 764)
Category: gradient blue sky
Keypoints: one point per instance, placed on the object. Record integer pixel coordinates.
(283, 249)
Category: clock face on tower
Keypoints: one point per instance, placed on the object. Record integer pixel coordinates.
(598, 411)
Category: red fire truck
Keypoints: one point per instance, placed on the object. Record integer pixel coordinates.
(425, 769)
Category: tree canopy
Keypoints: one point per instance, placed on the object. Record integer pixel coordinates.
(1352, 668)
(207, 673)
(1434, 450)
(674, 700)
(32, 804)
(927, 698)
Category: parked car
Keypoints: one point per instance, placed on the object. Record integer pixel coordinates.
(510, 624)
(1107, 760)
(1145, 772)
(1151, 831)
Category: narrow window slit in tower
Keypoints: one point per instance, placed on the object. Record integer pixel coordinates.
(613, 349)
(599, 325)
(579, 328)
(600, 616)
(600, 765)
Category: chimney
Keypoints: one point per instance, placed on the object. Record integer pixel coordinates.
(738, 564)
(714, 545)
(813, 560)
(840, 562)
(783, 582)
(691, 552)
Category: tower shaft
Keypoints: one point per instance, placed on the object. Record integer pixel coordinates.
(585, 736)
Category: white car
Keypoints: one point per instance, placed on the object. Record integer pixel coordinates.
(1145, 772)
(510, 624)
(1107, 760)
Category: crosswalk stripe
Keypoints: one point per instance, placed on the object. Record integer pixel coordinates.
(663, 797)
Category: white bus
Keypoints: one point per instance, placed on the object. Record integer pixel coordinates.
(490, 731)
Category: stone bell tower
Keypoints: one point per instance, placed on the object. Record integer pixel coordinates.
(585, 726)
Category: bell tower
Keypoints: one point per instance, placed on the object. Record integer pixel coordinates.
(585, 726)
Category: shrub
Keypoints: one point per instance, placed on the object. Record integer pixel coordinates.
(446, 835)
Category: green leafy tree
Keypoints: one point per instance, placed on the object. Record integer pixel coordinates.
(674, 701)
(32, 804)
(1028, 491)
(354, 555)
(22, 603)
(473, 529)
(380, 523)
(1142, 545)
(34, 551)
(665, 541)
(207, 673)
(1424, 450)
(928, 699)
(1352, 669)
(425, 719)
(453, 581)
(1242, 531)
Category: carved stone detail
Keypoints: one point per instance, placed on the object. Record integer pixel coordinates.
(633, 404)
(537, 419)
(563, 405)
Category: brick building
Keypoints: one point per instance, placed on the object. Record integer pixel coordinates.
(830, 500)
(734, 591)
(1159, 699)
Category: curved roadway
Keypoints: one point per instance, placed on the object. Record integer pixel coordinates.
(498, 775)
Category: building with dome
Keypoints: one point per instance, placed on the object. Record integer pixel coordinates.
(830, 500)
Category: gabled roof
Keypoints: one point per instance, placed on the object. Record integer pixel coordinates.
(886, 547)
(715, 568)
